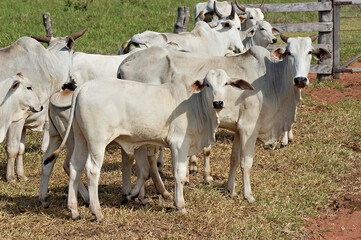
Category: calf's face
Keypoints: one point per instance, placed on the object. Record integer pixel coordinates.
(26, 98)
(216, 83)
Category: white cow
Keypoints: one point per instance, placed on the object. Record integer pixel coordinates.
(48, 68)
(213, 11)
(59, 112)
(17, 101)
(264, 113)
(168, 115)
(91, 66)
(202, 40)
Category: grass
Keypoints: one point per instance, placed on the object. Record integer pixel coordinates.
(290, 183)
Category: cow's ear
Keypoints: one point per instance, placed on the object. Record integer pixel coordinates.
(252, 31)
(197, 86)
(70, 43)
(275, 31)
(242, 18)
(227, 24)
(15, 84)
(321, 54)
(242, 84)
(279, 53)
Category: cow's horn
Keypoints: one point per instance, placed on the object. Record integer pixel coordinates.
(284, 38)
(233, 11)
(314, 37)
(261, 6)
(78, 34)
(240, 7)
(219, 15)
(41, 39)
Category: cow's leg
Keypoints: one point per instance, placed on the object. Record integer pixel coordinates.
(179, 160)
(54, 142)
(157, 180)
(76, 166)
(20, 157)
(235, 161)
(69, 152)
(207, 166)
(290, 135)
(13, 138)
(140, 155)
(160, 161)
(93, 166)
(284, 140)
(193, 165)
(127, 163)
(46, 135)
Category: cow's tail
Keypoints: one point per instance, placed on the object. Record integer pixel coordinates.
(55, 154)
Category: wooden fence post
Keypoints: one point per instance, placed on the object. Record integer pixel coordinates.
(47, 24)
(336, 39)
(325, 38)
(182, 20)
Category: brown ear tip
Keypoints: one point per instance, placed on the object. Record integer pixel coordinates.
(20, 74)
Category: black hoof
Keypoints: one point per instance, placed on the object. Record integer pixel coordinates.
(193, 172)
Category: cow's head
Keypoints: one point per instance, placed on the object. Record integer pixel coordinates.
(215, 86)
(17, 101)
(298, 53)
(251, 15)
(61, 42)
(265, 34)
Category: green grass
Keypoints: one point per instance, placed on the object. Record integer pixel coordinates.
(290, 183)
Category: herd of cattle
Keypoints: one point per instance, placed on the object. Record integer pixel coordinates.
(180, 88)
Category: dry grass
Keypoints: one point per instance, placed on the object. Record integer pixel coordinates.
(289, 183)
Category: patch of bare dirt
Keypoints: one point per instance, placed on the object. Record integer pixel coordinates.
(343, 219)
(351, 81)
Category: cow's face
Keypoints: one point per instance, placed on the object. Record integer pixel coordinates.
(233, 36)
(26, 99)
(265, 34)
(299, 52)
(216, 83)
(250, 18)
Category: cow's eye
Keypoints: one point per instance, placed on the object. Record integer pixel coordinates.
(239, 29)
(250, 17)
(262, 29)
(289, 53)
(207, 85)
(29, 88)
(310, 52)
(226, 84)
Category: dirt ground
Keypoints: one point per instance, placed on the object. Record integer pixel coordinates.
(343, 219)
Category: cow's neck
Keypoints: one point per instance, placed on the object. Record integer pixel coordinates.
(206, 120)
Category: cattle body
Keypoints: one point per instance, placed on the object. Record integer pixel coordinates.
(49, 68)
(168, 115)
(202, 40)
(91, 66)
(17, 101)
(263, 113)
(59, 112)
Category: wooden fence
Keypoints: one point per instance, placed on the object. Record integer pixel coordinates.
(328, 28)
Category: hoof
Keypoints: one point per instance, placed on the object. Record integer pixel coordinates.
(166, 195)
(75, 218)
(186, 183)
(44, 204)
(11, 180)
(23, 178)
(193, 172)
(124, 200)
(208, 180)
(145, 203)
(250, 199)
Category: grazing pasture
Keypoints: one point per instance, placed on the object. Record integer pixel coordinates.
(290, 184)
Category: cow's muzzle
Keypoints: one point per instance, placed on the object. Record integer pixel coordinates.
(35, 109)
(300, 82)
(274, 40)
(218, 104)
